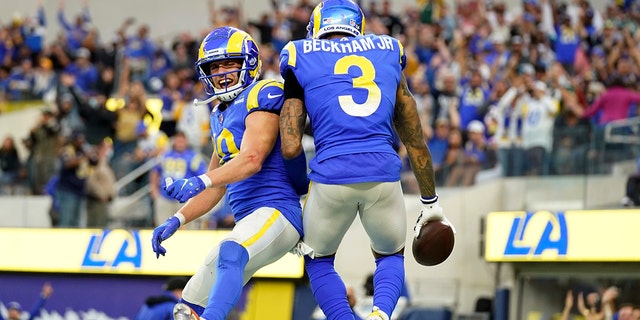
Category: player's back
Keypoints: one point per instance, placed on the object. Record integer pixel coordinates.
(350, 88)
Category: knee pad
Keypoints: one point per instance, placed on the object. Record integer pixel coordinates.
(232, 254)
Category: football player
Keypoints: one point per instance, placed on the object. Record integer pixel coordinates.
(178, 162)
(247, 165)
(352, 88)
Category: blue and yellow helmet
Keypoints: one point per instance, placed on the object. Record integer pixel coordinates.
(336, 16)
(228, 43)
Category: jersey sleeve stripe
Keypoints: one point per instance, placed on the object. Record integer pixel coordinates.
(291, 48)
(252, 97)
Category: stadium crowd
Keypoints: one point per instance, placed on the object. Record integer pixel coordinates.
(521, 90)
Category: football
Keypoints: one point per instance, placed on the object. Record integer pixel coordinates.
(435, 243)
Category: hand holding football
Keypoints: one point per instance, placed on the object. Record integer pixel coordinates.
(434, 243)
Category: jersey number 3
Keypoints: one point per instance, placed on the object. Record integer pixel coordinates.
(365, 81)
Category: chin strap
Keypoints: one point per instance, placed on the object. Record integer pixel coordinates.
(203, 102)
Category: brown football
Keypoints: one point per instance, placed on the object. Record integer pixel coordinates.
(434, 244)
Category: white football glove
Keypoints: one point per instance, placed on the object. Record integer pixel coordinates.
(431, 211)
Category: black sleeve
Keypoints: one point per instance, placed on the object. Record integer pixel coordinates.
(292, 88)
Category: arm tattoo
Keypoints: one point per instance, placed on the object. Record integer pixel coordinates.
(407, 123)
(292, 120)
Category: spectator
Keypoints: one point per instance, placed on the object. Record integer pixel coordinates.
(391, 21)
(180, 162)
(171, 97)
(85, 73)
(537, 110)
(130, 111)
(5, 72)
(139, 52)
(566, 41)
(10, 166)
(455, 152)
(181, 58)
(107, 55)
(298, 20)
(74, 171)
(492, 115)
(194, 122)
(69, 99)
(100, 188)
(106, 83)
(281, 30)
(21, 81)
(568, 305)
(270, 67)
(473, 158)
(225, 16)
(632, 190)
(160, 307)
(438, 145)
(372, 11)
(588, 306)
(593, 305)
(264, 27)
(126, 127)
(74, 33)
(163, 63)
(33, 29)
(446, 100)
(506, 125)
(625, 312)
(98, 118)
(43, 143)
(571, 142)
(151, 143)
(45, 81)
(15, 309)
(473, 98)
(614, 104)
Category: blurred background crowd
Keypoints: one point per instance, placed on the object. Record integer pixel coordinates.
(525, 88)
(503, 90)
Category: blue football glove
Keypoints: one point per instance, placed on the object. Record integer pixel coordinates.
(185, 189)
(163, 232)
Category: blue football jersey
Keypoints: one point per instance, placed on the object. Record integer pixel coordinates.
(180, 165)
(271, 186)
(350, 88)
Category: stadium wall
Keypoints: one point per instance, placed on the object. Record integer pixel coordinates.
(465, 276)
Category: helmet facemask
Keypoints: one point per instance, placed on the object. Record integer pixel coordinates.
(225, 92)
